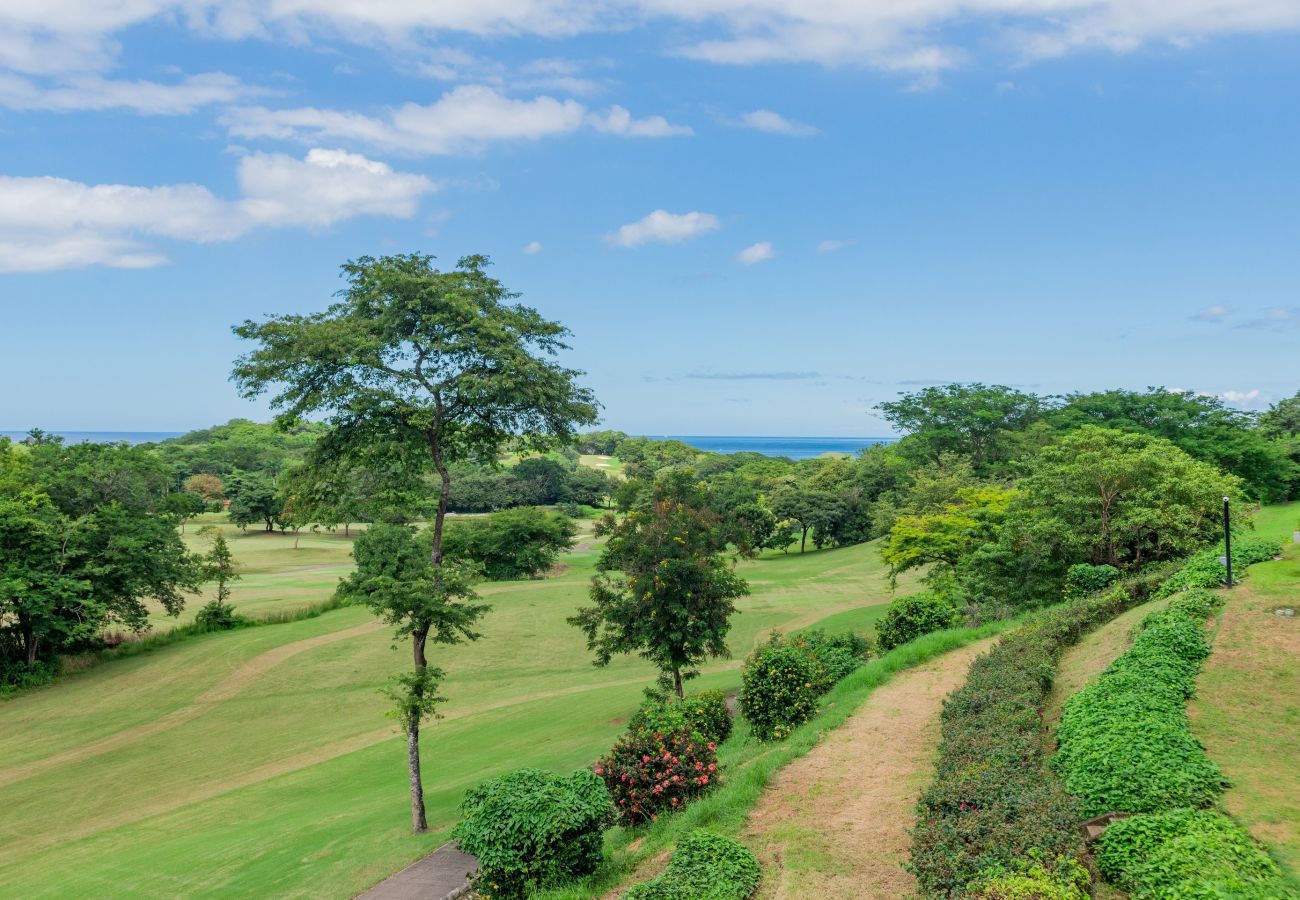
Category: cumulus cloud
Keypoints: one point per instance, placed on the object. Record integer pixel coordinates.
(94, 92)
(462, 120)
(532, 248)
(663, 227)
(757, 253)
(1242, 398)
(830, 245)
(775, 123)
(49, 223)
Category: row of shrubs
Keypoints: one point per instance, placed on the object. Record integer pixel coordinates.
(1126, 745)
(996, 821)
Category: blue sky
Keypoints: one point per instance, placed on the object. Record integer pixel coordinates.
(757, 216)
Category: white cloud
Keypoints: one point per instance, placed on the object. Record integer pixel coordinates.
(93, 92)
(51, 223)
(757, 253)
(1241, 398)
(1215, 313)
(532, 248)
(462, 120)
(919, 39)
(775, 123)
(830, 245)
(665, 227)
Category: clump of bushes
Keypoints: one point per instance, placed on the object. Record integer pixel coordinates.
(1125, 740)
(704, 715)
(782, 679)
(1064, 878)
(994, 800)
(218, 616)
(649, 772)
(910, 617)
(512, 543)
(531, 829)
(1084, 579)
(1203, 569)
(1187, 854)
(705, 866)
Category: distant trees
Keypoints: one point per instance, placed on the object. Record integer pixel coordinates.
(253, 499)
(512, 543)
(663, 590)
(421, 368)
(972, 420)
(205, 486)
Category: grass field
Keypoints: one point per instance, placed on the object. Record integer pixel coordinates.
(1247, 709)
(259, 762)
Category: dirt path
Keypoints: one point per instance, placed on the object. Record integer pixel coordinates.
(223, 690)
(834, 824)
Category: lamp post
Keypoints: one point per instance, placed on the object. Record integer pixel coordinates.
(1227, 544)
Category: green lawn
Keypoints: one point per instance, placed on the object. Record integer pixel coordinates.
(259, 762)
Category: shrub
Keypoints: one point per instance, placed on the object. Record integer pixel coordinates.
(648, 772)
(994, 800)
(705, 866)
(837, 656)
(572, 510)
(1032, 879)
(911, 617)
(512, 543)
(704, 714)
(218, 616)
(531, 829)
(1083, 579)
(1189, 854)
(1204, 570)
(1125, 741)
(780, 684)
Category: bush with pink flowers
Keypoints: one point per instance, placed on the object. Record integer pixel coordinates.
(650, 772)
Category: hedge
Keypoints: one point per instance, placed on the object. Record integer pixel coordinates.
(994, 800)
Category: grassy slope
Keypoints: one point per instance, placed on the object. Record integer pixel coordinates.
(1247, 712)
(254, 770)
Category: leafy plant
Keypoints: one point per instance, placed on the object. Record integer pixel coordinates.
(649, 772)
(531, 829)
(1125, 739)
(1083, 579)
(217, 616)
(780, 684)
(1186, 853)
(513, 543)
(913, 616)
(1064, 878)
(704, 714)
(705, 866)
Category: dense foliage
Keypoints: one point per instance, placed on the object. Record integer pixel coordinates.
(915, 615)
(994, 800)
(650, 772)
(1188, 854)
(513, 543)
(704, 716)
(782, 679)
(704, 866)
(1125, 741)
(1064, 878)
(531, 830)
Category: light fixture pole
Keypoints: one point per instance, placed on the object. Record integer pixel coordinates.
(1227, 543)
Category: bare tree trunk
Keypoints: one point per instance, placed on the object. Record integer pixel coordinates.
(677, 682)
(419, 824)
(29, 639)
(803, 539)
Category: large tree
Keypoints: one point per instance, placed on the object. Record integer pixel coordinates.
(973, 420)
(662, 590)
(420, 367)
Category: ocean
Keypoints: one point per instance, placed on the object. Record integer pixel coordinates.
(793, 447)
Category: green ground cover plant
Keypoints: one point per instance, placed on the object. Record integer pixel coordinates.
(532, 829)
(1125, 740)
(994, 800)
(705, 866)
(1031, 878)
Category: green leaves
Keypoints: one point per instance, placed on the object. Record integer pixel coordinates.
(705, 866)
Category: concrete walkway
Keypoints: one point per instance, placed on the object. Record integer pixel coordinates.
(439, 876)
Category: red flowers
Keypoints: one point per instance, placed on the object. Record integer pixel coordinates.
(647, 772)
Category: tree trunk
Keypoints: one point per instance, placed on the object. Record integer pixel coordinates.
(677, 681)
(29, 639)
(347, 529)
(419, 824)
(803, 539)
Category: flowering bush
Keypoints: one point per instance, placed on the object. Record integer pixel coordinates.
(649, 772)
(780, 684)
(911, 617)
(532, 829)
(704, 714)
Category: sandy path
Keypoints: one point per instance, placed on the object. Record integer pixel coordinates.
(834, 824)
(223, 690)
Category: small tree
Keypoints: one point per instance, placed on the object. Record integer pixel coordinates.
(219, 566)
(417, 367)
(671, 601)
(398, 581)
